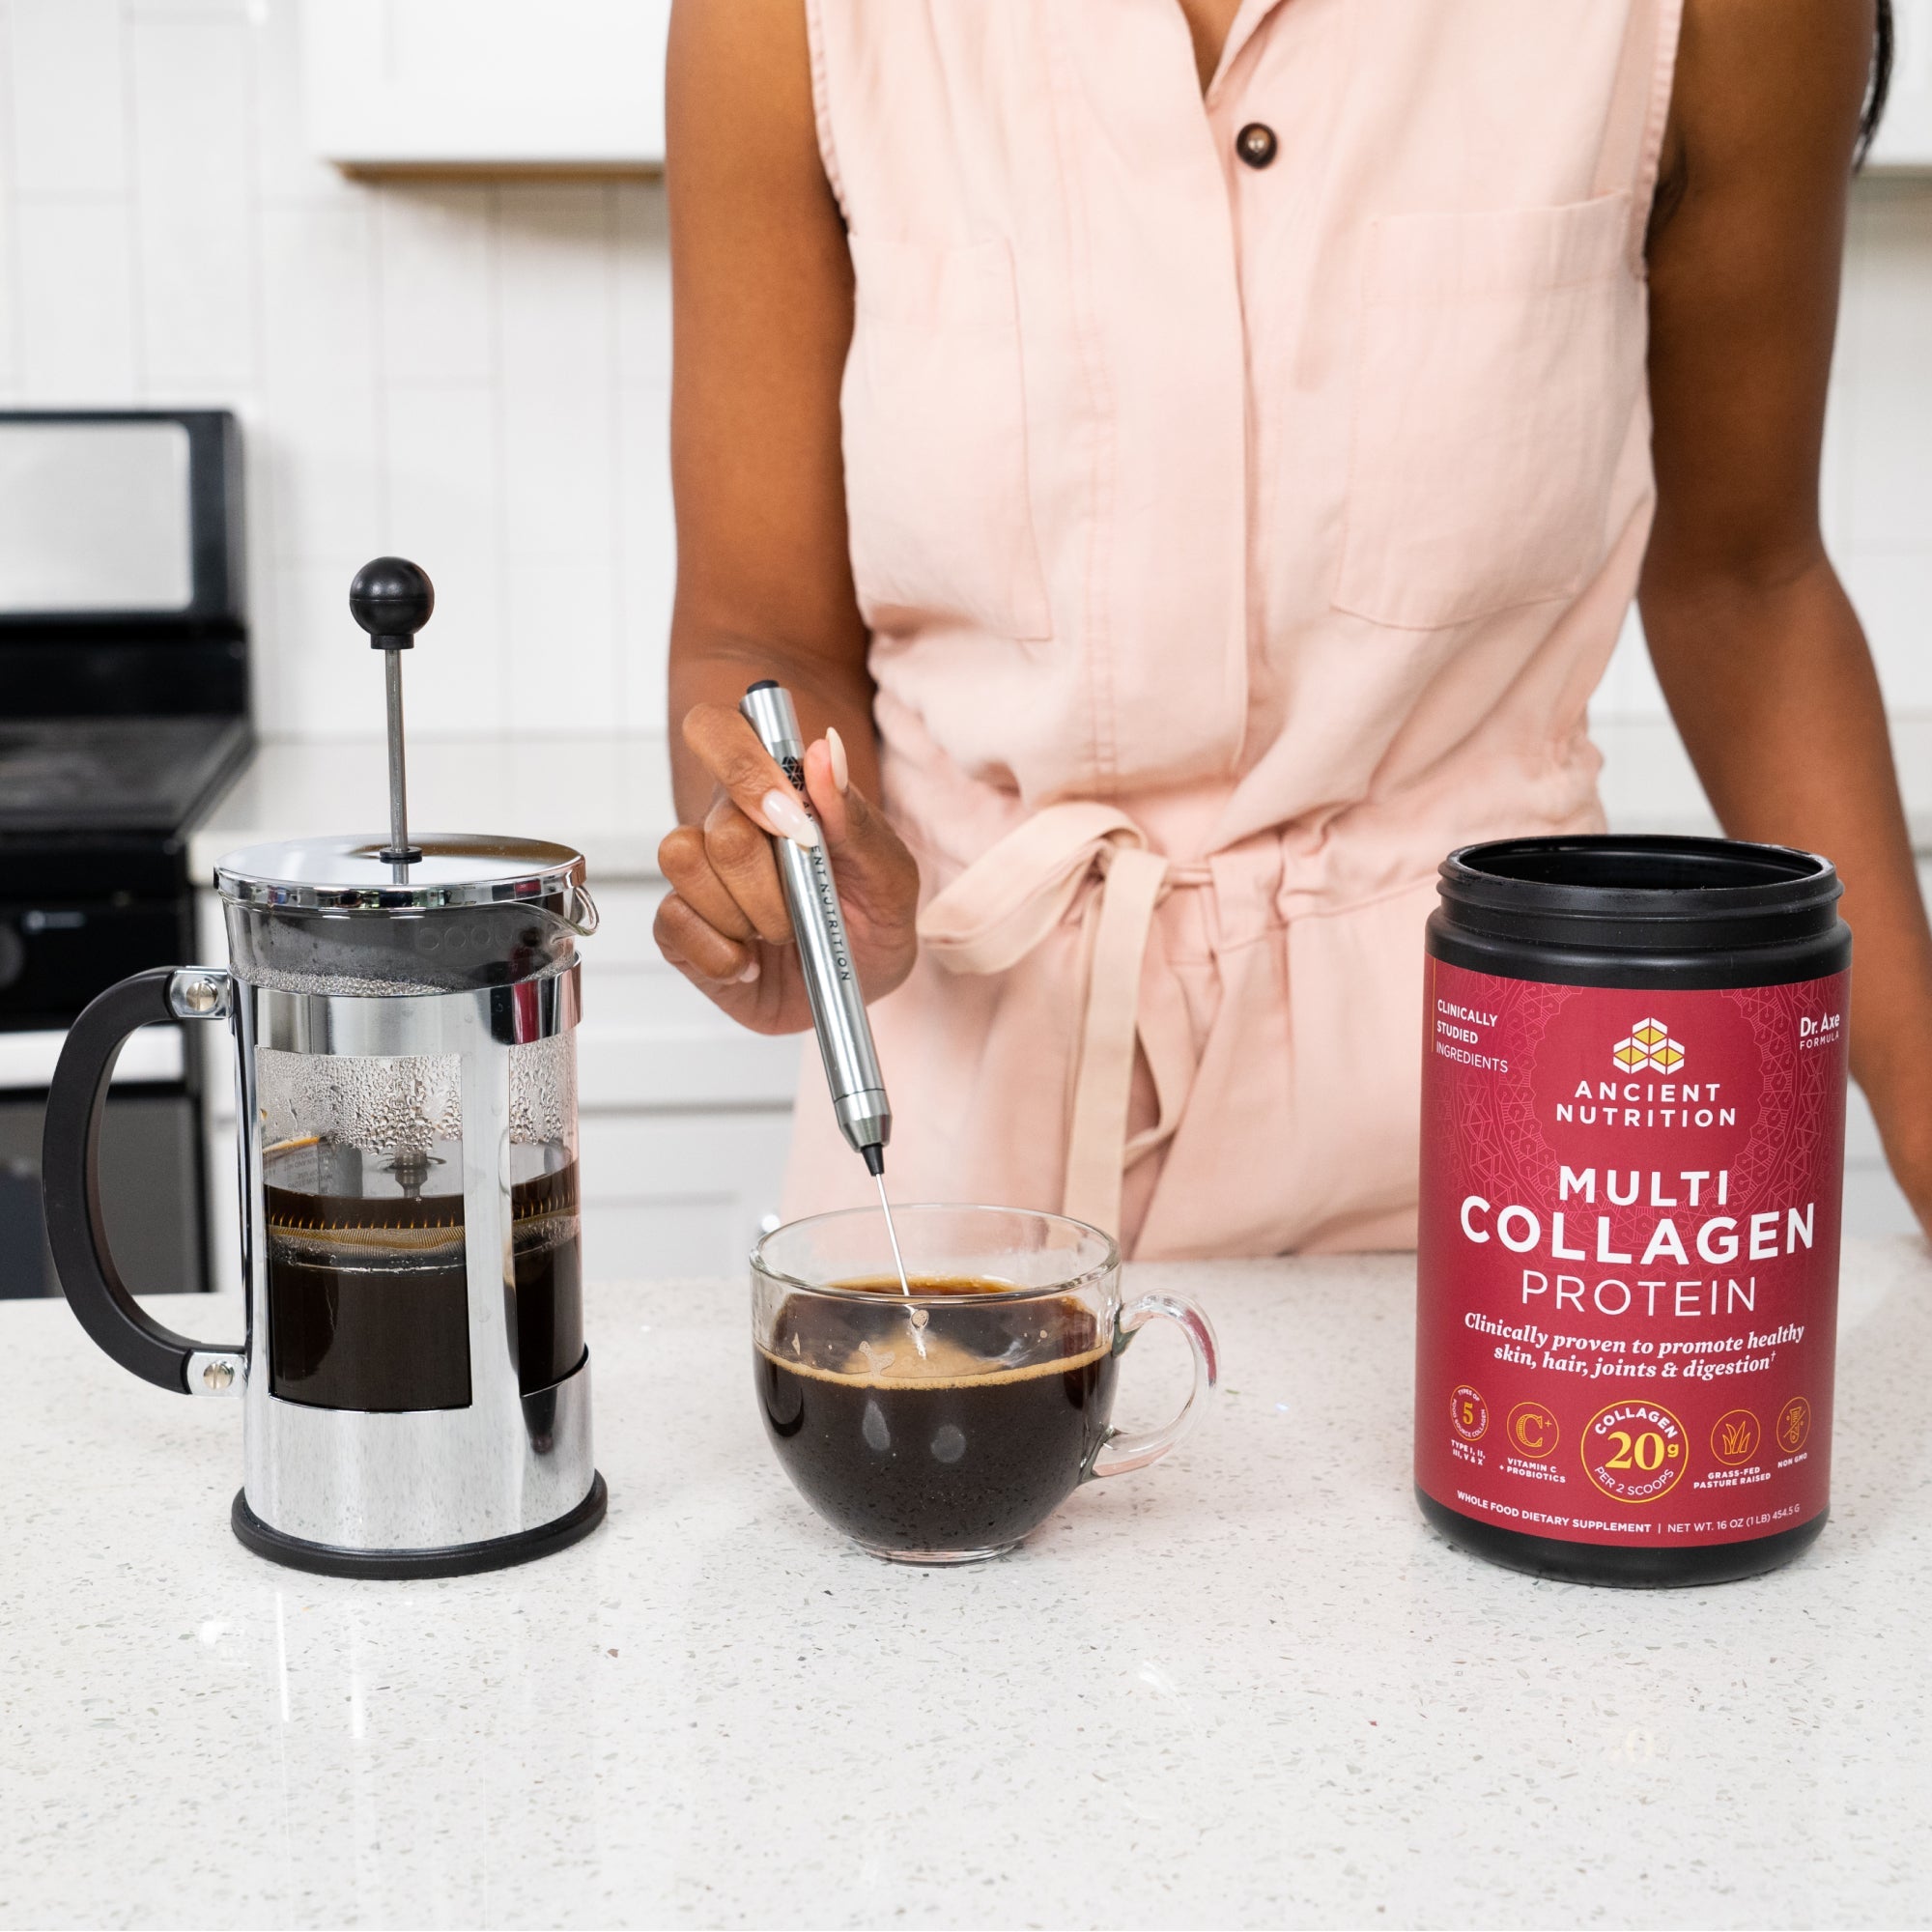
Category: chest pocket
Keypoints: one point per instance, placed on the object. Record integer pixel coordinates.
(1500, 361)
(934, 433)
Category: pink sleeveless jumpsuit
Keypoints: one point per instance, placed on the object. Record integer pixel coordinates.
(1234, 539)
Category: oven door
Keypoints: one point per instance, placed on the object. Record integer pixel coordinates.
(151, 1166)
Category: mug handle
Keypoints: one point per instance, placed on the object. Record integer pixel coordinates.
(71, 1179)
(1121, 1453)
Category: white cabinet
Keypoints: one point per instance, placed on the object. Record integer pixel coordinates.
(666, 1195)
(1905, 137)
(685, 1116)
(486, 85)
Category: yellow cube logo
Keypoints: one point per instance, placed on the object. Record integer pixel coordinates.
(1648, 1049)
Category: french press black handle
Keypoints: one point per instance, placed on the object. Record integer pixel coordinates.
(71, 1180)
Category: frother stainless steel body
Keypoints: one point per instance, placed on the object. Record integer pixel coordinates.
(831, 982)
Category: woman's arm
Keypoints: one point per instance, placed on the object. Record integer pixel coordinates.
(1754, 641)
(761, 305)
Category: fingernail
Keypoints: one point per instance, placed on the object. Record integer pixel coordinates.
(749, 972)
(788, 818)
(842, 772)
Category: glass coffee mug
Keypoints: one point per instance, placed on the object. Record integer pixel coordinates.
(945, 1426)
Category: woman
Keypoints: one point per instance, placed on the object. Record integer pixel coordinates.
(1190, 460)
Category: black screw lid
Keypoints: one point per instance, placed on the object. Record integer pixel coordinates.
(1638, 911)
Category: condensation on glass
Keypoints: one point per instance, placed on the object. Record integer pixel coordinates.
(365, 1166)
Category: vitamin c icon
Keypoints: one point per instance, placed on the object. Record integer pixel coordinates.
(1794, 1424)
(1469, 1413)
(1531, 1429)
(1634, 1451)
(1735, 1436)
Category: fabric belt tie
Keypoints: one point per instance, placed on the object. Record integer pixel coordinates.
(1005, 904)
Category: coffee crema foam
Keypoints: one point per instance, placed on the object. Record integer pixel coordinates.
(937, 1359)
(946, 1365)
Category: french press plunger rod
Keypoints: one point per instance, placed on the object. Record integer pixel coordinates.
(392, 600)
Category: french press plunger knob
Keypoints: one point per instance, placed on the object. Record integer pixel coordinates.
(392, 598)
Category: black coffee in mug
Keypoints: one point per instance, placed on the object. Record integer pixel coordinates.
(943, 1417)
(949, 1426)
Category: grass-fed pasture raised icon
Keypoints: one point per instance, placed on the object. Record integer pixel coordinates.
(1649, 1047)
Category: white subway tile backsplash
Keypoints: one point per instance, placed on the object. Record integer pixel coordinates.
(289, 169)
(194, 205)
(647, 548)
(69, 105)
(76, 316)
(319, 682)
(643, 284)
(434, 243)
(445, 508)
(1889, 353)
(566, 671)
(10, 252)
(1892, 590)
(478, 374)
(560, 457)
(1837, 460)
(319, 307)
(1629, 687)
(557, 286)
(319, 295)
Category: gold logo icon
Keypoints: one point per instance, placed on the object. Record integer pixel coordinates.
(1468, 1412)
(1532, 1429)
(1649, 1048)
(1735, 1436)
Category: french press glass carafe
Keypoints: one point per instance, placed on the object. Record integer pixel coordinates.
(415, 1388)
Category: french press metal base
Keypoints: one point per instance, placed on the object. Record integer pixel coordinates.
(496, 1553)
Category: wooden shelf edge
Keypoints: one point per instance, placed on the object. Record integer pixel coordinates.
(474, 172)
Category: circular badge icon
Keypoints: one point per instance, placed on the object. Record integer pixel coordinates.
(1469, 1413)
(1532, 1429)
(1634, 1451)
(1735, 1436)
(1794, 1424)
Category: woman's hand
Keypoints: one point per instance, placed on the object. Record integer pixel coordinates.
(725, 925)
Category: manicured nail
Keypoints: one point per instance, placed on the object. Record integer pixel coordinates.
(788, 818)
(750, 974)
(842, 772)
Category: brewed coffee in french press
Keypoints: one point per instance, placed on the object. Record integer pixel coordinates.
(415, 1388)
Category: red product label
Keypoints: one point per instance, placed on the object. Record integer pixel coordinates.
(1629, 1257)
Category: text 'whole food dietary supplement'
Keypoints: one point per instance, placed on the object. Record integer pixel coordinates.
(1633, 1152)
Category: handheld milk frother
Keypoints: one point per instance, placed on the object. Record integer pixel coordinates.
(831, 980)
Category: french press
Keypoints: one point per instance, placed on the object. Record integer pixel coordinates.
(415, 1385)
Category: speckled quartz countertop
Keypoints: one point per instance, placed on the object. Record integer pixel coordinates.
(1247, 1687)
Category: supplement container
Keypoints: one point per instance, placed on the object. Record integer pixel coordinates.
(1633, 1154)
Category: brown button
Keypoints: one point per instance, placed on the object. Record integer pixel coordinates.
(1256, 144)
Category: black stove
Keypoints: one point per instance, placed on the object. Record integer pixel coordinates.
(68, 775)
(124, 714)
